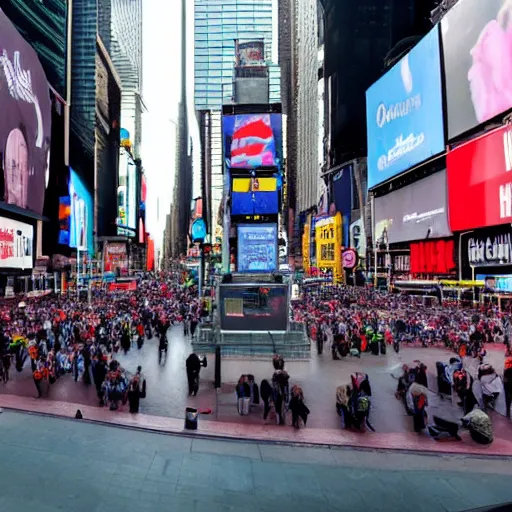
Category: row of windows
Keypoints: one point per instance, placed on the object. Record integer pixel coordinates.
(224, 35)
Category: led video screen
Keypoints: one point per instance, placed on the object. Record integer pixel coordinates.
(254, 308)
(257, 248)
(252, 140)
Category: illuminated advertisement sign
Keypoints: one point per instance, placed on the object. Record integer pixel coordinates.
(404, 112)
(254, 196)
(127, 195)
(257, 248)
(82, 215)
(115, 256)
(250, 54)
(64, 220)
(25, 127)
(16, 242)
(252, 140)
(477, 55)
(415, 212)
(328, 237)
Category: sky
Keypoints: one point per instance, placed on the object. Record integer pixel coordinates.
(161, 92)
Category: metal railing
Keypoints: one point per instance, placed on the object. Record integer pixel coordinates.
(292, 344)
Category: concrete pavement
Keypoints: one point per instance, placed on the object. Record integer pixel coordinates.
(167, 397)
(54, 464)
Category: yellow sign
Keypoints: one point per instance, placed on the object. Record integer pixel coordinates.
(328, 237)
(306, 243)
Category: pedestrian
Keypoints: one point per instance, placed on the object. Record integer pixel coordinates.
(298, 407)
(136, 390)
(193, 365)
(266, 396)
(243, 395)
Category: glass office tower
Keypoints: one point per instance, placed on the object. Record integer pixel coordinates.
(217, 24)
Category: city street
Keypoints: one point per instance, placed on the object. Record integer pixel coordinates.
(53, 464)
(319, 377)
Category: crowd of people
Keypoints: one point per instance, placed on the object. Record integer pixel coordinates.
(363, 318)
(59, 335)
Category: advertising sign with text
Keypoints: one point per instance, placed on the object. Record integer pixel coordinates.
(480, 181)
(16, 243)
(404, 111)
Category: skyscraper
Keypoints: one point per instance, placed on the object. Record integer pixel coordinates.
(126, 51)
(217, 25)
(298, 58)
(182, 196)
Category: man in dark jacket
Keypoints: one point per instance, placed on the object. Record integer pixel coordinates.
(193, 368)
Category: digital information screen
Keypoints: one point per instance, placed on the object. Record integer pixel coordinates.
(254, 308)
(257, 248)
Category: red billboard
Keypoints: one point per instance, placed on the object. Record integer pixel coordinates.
(480, 181)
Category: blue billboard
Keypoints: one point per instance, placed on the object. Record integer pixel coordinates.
(81, 215)
(257, 248)
(404, 113)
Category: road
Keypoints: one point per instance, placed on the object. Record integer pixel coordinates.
(51, 464)
(319, 377)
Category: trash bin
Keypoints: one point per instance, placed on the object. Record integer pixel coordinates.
(191, 415)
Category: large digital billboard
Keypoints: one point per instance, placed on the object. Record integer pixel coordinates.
(253, 308)
(25, 121)
(415, 212)
(404, 113)
(16, 244)
(254, 196)
(43, 24)
(478, 62)
(479, 181)
(257, 248)
(127, 195)
(82, 215)
(252, 140)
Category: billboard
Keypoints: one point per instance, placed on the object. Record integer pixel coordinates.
(479, 181)
(257, 248)
(254, 308)
(115, 256)
(478, 62)
(252, 140)
(43, 25)
(254, 196)
(404, 113)
(250, 54)
(488, 248)
(127, 195)
(415, 212)
(16, 243)
(81, 215)
(25, 127)
(433, 257)
(328, 240)
(64, 220)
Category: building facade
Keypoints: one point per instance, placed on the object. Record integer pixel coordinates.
(298, 57)
(126, 51)
(218, 24)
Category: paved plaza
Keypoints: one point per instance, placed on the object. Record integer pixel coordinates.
(51, 464)
(319, 377)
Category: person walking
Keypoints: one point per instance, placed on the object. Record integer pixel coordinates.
(507, 380)
(193, 365)
(136, 390)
